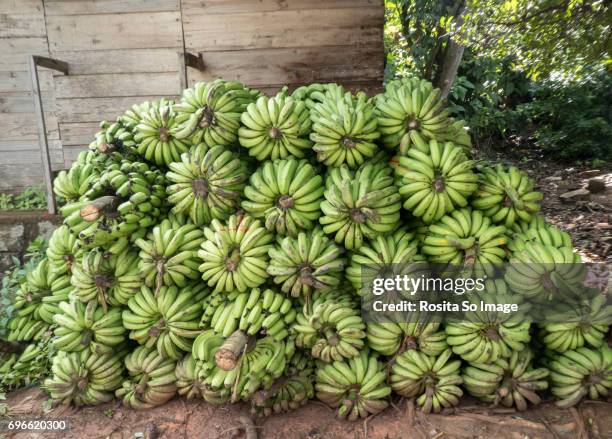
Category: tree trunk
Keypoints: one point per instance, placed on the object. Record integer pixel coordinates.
(452, 58)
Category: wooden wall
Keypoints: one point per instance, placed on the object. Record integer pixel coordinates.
(22, 33)
(121, 52)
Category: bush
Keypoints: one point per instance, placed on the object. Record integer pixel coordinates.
(31, 198)
(571, 121)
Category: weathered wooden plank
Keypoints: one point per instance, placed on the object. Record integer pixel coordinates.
(21, 7)
(114, 31)
(295, 65)
(120, 61)
(210, 7)
(20, 177)
(96, 109)
(76, 7)
(71, 152)
(15, 24)
(20, 102)
(78, 134)
(301, 28)
(26, 156)
(27, 145)
(16, 50)
(125, 84)
(22, 126)
(15, 81)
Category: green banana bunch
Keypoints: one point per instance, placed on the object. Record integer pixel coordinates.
(84, 378)
(168, 255)
(209, 112)
(506, 195)
(545, 272)
(151, 381)
(41, 292)
(356, 387)
(286, 194)
(259, 311)
(87, 326)
(114, 141)
(579, 373)
(434, 381)
(107, 278)
(573, 325)
(189, 381)
(235, 254)
(434, 179)
(411, 105)
(62, 251)
(20, 370)
(511, 382)
(311, 262)
(133, 116)
(484, 336)
(331, 326)
(208, 183)
(458, 133)
(287, 393)
(167, 319)
(237, 366)
(344, 128)
(156, 134)
(311, 94)
(465, 237)
(392, 338)
(360, 204)
(26, 328)
(536, 222)
(275, 128)
(399, 247)
(73, 183)
(544, 234)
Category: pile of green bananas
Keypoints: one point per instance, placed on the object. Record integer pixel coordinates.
(167, 319)
(189, 378)
(151, 381)
(235, 254)
(256, 312)
(72, 184)
(579, 373)
(434, 179)
(275, 128)
(331, 326)
(506, 195)
(209, 112)
(344, 128)
(29, 367)
(207, 183)
(168, 255)
(106, 278)
(286, 194)
(84, 378)
(361, 204)
(411, 105)
(511, 382)
(115, 141)
(433, 380)
(356, 387)
(391, 338)
(466, 238)
(311, 94)
(538, 231)
(158, 135)
(237, 366)
(81, 327)
(311, 262)
(574, 325)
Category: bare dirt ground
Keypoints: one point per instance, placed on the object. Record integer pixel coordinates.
(588, 217)
(197, 419)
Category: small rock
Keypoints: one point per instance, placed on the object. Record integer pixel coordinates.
(596, 185)
(603, 226)
(589, 173)
(578, 194)
(563, 185)
(552, 178)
